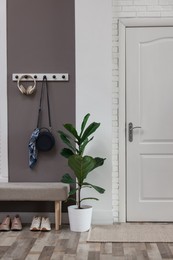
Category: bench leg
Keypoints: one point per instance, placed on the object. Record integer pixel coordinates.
(57, 214)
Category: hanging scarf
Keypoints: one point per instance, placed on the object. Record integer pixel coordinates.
(32, 148)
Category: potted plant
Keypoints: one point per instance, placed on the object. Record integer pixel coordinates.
(80, 214)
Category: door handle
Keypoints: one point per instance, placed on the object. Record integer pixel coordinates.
(131, 128)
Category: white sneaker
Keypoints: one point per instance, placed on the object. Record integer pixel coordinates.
(45, 224)
(35, 225)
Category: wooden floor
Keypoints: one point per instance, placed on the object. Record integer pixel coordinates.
(66, 245)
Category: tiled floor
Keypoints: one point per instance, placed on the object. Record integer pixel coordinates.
(66, 245)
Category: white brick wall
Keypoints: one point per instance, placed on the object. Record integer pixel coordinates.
(127, 8)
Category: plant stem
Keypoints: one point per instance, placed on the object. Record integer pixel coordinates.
(79, 194)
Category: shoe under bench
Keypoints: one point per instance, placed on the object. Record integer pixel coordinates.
(36, 191)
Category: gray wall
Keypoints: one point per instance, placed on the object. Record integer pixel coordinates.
(41, 39)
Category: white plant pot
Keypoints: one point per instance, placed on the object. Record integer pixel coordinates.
(80, 219)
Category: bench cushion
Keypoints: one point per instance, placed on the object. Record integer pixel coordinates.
(37, 191)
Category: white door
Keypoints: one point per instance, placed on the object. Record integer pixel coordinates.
(149, 105)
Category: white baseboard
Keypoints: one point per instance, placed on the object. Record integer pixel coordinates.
(102, 217)
(26, 217)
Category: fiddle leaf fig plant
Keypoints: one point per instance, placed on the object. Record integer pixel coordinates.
(81, 164)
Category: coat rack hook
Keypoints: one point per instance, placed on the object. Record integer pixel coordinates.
(39, 76)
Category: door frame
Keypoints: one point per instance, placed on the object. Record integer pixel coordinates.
(125, 23)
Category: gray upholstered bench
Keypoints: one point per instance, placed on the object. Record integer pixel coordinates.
(37, 191)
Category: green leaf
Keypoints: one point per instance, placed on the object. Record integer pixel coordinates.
(81, 166)
(84, 123)
(90, 129)
(65, 138)
(89, 198)
(66, 178)
(61, 133)
(73, 191)
(97, 188)
(72, 130)
(66, 152)
(86, 186)
(98, 162)
(82, 147)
